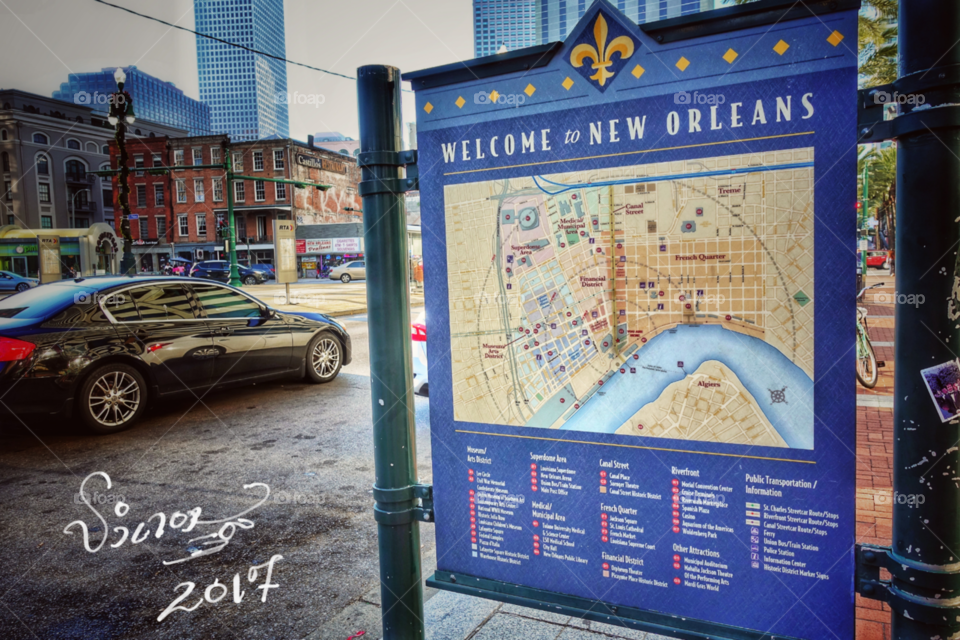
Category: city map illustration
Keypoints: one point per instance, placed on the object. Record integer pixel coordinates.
(669, 300)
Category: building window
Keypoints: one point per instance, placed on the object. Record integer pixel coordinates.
(7, 190)
(278, 159)
(182, 226)
(238, 162)
(281, 190)
(46, 222)
(178, 157)
(141, 196)
(76, 171)
(215, 155)
(40, 138)
(43, 165)
(144, 228)
(240, 221)
(92, 147)
(258, 160)
(181, 191)
(238, 191)
(218, 189)
(107, 195)
(259, 191)
(73, 144)
(198, 194)
(262, 227)
(222, 231)
(202, 224)
(3, 134)
(105, 149)
(158, 195)
(6, 162)
(157, 161)
(43, 190)
(161, 228)
(198, 156)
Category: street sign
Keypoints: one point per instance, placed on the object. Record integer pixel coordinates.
(50, 269)
(642, 400)
(285, 249)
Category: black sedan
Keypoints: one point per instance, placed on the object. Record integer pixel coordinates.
(219, 270)
(104, 349)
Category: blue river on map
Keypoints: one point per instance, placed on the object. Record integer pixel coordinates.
(759, 366)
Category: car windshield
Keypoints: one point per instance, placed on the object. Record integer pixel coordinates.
(39, 302)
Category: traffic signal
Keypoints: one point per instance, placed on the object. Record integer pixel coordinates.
(859, 205)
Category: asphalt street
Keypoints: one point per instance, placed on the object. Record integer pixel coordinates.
(311, 445)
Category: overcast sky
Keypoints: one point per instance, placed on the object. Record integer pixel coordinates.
(41, 41)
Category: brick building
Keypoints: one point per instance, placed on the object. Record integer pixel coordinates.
(199, 206)
(149, 200)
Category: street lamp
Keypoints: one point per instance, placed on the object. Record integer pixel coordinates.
(121, 114)
(73, 206)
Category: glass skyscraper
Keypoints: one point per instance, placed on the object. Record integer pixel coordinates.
(510, 23)
(153, 99)
(524, 23)
(247, 91)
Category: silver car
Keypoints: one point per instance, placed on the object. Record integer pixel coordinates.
(12, 282)
(355, 270)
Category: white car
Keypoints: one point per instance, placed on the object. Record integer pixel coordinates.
(355, 270)
(418, 334)
(9, 281)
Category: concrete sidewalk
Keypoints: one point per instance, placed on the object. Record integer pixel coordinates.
(332, 298)
(453, 616)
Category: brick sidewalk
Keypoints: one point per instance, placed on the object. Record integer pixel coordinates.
(875, 469)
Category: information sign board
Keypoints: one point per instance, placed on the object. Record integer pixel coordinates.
(50, 269)
(285, 248)
(642, 388)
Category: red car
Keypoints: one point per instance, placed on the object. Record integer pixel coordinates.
(879, 259)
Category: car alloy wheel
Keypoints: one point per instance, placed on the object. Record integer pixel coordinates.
(324, 358)
(23, 286)
(250, 280)
(114, 398)
(345, 278)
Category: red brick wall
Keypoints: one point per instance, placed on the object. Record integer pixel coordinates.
(147, 147)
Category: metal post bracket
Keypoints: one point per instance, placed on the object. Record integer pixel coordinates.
(403, 505)
(373, 186)
(941, 608)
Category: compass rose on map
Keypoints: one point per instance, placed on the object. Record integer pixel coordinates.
(778, 396)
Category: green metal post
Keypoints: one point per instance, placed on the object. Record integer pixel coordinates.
(863, 216)
(231, 225)
(926, 532)
(391, 369)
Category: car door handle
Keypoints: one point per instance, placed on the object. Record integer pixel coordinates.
(225, 331)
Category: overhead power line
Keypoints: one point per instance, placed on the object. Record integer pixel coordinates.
(226, 42)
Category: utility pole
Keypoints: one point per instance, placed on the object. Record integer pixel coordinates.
(924, 557)
(397, 492)
(231, 224)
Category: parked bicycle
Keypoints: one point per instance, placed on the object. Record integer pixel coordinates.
(867, 370)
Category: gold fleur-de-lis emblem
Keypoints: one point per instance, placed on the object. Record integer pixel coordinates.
(602, 54)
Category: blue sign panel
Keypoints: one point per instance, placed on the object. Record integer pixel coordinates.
(639, 331)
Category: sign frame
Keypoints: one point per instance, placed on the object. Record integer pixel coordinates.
(441, 94)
